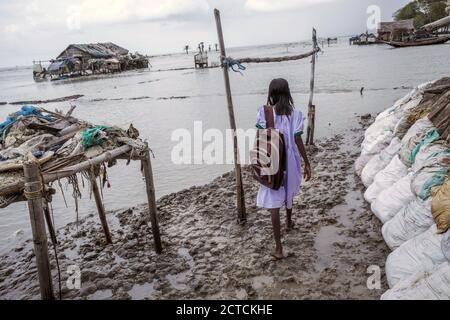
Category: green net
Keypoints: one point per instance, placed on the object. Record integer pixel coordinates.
(93, 137)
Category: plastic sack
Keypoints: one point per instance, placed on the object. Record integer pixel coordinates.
(391, 200)
(421, 253)
(421, 126)
(375, 144)
(410, 221)
(423, 285)
(361, 162)
(440, 206)
(427, 178)
(379, 162)
(430, 137)
(394, 171)
(430, 155)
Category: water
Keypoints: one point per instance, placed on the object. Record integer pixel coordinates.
(138, 97)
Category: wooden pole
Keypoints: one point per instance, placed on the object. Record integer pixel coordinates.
(50, 227)
(33, 192)
(150, 186)
(100, 208)
(242, 216)
(311, 107)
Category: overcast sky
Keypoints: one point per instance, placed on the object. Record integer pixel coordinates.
(41, 29)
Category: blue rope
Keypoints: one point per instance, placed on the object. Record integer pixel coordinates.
(230, 63)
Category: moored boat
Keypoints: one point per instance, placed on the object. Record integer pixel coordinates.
(419, 42)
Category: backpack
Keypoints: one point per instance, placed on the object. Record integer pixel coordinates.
(268, 157)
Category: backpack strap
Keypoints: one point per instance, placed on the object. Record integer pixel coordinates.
(270, 117)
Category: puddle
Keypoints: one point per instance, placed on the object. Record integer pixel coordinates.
(329, 235)
(178, 281)
(142, 291)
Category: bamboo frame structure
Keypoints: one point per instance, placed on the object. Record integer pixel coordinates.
(34, 191)
(311, 113)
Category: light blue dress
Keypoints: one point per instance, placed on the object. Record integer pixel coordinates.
(290, 127)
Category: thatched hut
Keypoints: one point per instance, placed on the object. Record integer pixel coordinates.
(389, 31)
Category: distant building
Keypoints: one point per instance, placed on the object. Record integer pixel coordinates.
(95, 58)
(389, 31)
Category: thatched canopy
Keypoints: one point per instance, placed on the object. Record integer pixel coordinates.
(94, 50)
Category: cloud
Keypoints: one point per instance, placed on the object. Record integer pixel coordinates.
(106, 11)
(77, 14)
(280, 5)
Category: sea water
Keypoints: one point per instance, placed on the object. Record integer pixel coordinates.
(159, 102)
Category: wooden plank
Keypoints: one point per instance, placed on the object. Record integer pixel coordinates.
(33, 188)
(71, 170)
(242, 216)
(151, 197)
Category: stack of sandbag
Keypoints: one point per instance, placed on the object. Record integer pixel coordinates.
(423, 285)
(378, 136)
(407, 176)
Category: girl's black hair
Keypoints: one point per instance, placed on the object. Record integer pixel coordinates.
(280, 97)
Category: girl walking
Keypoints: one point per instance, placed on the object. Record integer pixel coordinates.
(290, 123)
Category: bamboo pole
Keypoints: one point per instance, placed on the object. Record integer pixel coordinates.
(100, 208)
(33, 192)
(151, 197)
(242, 217)
(279, 59)
(50, 227)
(311, 107)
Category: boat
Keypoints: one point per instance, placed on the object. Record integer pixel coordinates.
(418, 42)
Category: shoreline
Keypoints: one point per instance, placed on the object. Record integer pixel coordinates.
(208, 255)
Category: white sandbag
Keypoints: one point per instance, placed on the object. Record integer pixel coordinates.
(421, 253)
(430, 155)
(423, 285)
(394, 171)
(420, 126)
(409, 222)
(445, 245)
(361, 162)
(374, 145)
(423, 176)
(391, 200)
(379, 162)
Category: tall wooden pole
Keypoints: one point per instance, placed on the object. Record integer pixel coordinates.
(33, 192)
(100, 208)
(242, 216)
(151, 197)
(311, 107)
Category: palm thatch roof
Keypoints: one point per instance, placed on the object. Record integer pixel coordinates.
(386, 27)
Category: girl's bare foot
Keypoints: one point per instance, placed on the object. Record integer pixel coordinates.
(277, 255)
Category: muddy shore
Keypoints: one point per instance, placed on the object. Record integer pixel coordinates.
(208, 255)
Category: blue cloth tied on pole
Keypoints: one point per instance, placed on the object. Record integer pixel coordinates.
(230, 63)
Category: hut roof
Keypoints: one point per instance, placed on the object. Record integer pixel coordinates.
(98, 50)
(396, 25)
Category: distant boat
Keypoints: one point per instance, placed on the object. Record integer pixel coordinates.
(418, 42)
